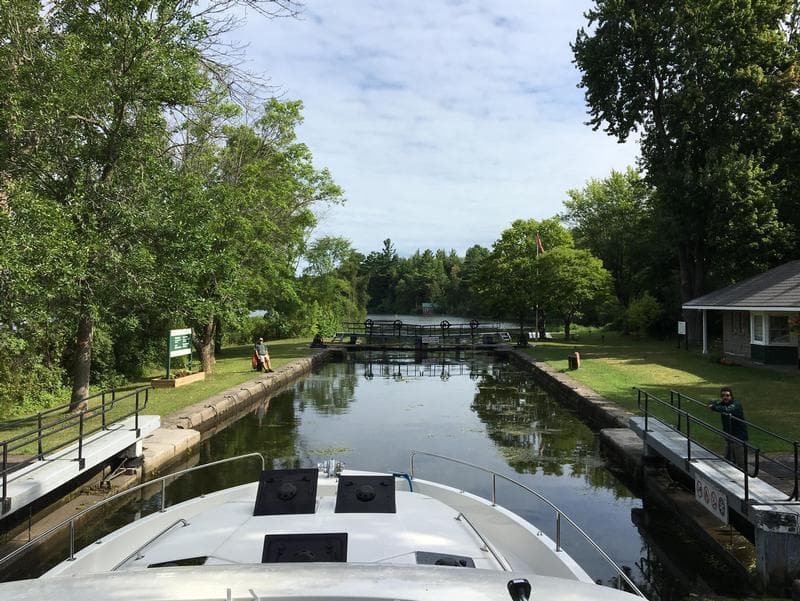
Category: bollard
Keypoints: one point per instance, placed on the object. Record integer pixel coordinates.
(574, 360)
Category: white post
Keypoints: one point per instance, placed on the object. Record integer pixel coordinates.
(705, 333)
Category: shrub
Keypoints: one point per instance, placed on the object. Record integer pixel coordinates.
(642, 312)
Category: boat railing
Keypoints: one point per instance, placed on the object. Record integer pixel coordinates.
(560, 515)
(72, 520)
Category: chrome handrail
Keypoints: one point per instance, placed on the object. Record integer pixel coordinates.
(138, 552)
(559, 513)
(71, 520)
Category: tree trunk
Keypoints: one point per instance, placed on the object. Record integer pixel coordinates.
(567, 323)
(81, 369)
(204, 343)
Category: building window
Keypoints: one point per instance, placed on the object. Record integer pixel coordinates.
(779, 329)
(758, 329)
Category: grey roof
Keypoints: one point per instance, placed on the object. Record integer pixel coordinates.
(777, 289)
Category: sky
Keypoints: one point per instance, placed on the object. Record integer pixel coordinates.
(442, 120)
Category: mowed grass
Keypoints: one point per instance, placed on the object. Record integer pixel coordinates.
(613, 364)
(232, 367)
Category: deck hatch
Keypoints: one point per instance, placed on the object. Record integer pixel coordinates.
(284, 492)
(444, 559)
(302, 548)
(365, 494)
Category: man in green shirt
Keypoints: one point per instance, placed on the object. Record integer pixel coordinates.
(733, 423)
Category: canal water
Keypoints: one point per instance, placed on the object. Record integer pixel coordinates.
(372, 409)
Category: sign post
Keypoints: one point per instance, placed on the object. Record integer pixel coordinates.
(179, 344)
(682, 332)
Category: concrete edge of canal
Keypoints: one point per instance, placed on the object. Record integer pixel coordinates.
(182, 431)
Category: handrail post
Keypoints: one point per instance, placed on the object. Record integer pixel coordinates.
(494, 489)
(136, 419)
(5, 470)
(688, 438)
(40, 450)
(558, 531)
(81, 460)
(795, 491)
(103, 410)
(163, 496)
(746, 471)
(71, 540)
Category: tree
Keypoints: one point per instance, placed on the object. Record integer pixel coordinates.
(510, 282)
(571, 280)
(708, 88)
(382, 269)
(83, 143)
(612, 218)
(259, 183)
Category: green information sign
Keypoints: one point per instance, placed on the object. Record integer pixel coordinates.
(180, 344)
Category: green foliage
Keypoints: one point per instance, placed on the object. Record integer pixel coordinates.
(613, 219)
(571, 281)
(510, 283)
(712, 90)
(642, 312)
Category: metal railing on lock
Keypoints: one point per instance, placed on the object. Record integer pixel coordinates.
(456, 333)
(71, 521)
(763, 459)
(687, 424)
(560, 515)
(47, 427)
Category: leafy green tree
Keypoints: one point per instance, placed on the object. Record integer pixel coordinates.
(570, 281)
(710, 88)
(333, 293)
(642, 313)
(259, 184)
(382, 270)
(510, 279)
(612, 218)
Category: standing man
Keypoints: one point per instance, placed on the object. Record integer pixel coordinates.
(733, 423)
(262, 354)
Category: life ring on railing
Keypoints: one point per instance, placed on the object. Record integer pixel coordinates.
(445, 324)
(473, 324)
(398, 324)
(368, 324)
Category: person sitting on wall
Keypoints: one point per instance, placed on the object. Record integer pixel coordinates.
(261, 354)
(317, 342)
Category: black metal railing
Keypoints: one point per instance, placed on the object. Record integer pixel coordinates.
(472, 331)
(58, 428)
(791, 446)
(673, 414)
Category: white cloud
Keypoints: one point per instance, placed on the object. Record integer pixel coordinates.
(443, 121)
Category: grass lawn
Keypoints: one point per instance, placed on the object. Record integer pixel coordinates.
(232, 368)
(612, 364)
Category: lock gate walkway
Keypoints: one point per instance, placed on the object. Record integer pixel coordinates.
(764, 493)
(45, 451)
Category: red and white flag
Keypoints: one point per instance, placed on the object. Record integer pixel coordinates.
(539, 247)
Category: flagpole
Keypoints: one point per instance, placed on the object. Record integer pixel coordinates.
(536, 313)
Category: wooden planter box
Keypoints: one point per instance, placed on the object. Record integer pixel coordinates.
(175, 382)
